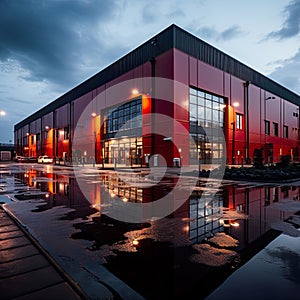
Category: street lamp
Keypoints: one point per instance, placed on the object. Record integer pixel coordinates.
(93, 114)
(270, 146)
(270, 97)
(233, 142)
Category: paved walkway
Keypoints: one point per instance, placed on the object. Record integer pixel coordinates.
(25, 271)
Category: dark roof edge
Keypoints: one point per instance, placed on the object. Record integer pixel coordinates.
(192, 45)
(171, 37)
(133, 59)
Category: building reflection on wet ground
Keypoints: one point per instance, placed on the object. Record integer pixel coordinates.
(189, 252)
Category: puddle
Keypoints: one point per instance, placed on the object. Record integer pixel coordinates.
(190, 251)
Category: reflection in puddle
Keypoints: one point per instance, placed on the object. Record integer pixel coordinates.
(200, 240)
(289, 261)
(211, 256)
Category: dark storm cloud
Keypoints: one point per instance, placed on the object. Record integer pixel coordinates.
(176, 13)
(149, 13)
(9, 100)
(291, 25)
(48, 37)
(288, 72)
(230, 33)
(155, 11)
(225, 35)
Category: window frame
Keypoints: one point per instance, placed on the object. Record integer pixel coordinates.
(267, 126)
(285, 131)
(239, 119)
(275, 129)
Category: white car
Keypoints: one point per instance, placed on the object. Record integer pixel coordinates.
(45, 159)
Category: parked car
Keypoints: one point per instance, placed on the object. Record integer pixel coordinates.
(32, 159)
(21, 159)
(45, 159)
(18, 158)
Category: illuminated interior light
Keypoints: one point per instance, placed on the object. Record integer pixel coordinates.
(235, 104)
(93, 114)
(47, 127)
(125, 199)
(186, 228)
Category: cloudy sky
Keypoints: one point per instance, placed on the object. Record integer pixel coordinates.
(48, 47)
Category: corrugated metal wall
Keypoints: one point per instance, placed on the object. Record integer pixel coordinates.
(171, 37)
(201, 50)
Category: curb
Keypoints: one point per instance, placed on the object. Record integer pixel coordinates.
(56, 266)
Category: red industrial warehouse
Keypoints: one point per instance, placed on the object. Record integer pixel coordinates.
(198, 88)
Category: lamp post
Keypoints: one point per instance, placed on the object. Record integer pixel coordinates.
(94, 137)
(246, 107)
(296, 114)
(268, 145)
(233, 140)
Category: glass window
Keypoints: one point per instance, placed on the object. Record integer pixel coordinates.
(221, 118)
(201, 101)
(119, 118)
(216, 99)
(208, 115)
(285, 131)
(267, 127)
(206, 111)
(193, 99)
(208, 103)
(239, 121)
(200, 112)
(200, 94)
(193, 111)
(208, 96)
(216, 105)
(193, 91)
(275, 128)
(215, 115)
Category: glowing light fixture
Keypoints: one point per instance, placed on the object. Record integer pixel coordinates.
(135, 92)
(235, 104)
(93, 114)
(186, 228)
(2, 113)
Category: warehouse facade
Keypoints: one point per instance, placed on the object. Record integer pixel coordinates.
(208, 90)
